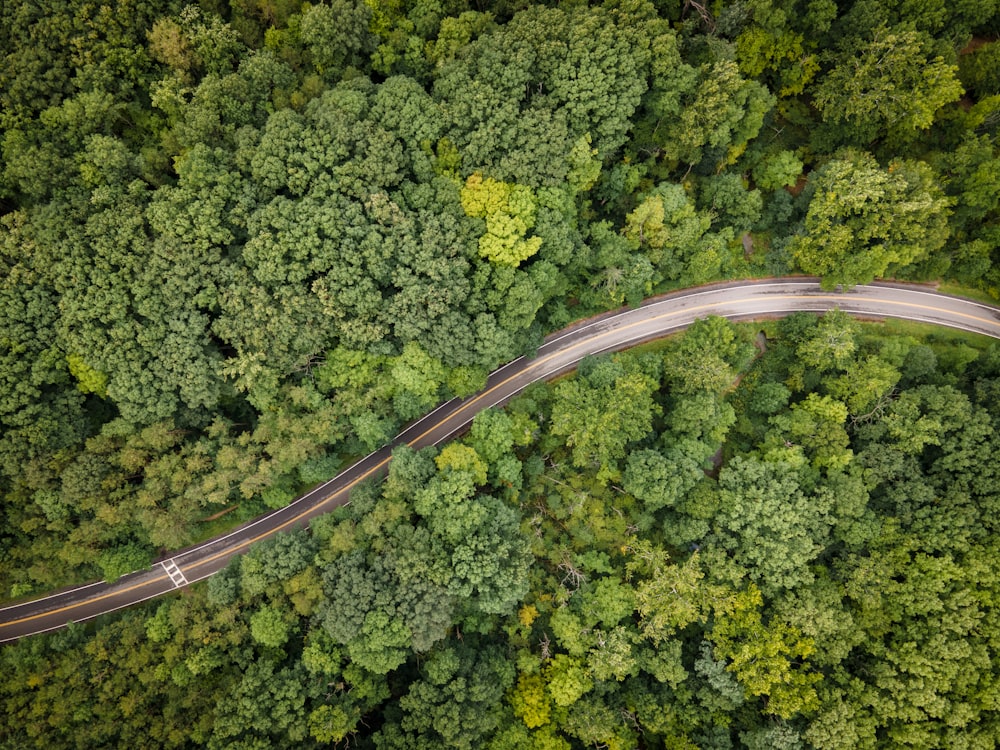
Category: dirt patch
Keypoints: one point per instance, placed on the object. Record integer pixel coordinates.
(976, 43)
(716, 460)
(760, 341)
(799, 186)
(220, 514)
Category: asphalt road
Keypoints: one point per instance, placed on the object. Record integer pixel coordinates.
(560, 353)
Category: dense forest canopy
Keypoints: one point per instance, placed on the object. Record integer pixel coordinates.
(243, 242)
(787, 548)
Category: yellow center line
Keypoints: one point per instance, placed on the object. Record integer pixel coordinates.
(613, 333)
(289, 522)
(89, 600)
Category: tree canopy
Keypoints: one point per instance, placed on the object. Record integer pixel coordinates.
(243, 242)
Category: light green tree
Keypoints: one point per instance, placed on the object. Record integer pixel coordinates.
(269, 627)
(509, 211)
(888, 84)
(865, 221)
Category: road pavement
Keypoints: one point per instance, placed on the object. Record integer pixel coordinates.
(560, 353)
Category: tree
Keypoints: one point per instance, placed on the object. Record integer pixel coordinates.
(707, 359)
(668, 228)
(41, 408)
(530, 701)
(828, 343)
(820, 612)
(334, 35)
(456, 702)
(978, 69)
(730, 202)
(777, 170)
(272, 561)
(491, 563)
(815, 429)
(923, 671)
(721, 113)
(623, 275)
(601, 413)
(768, 660)
(269, 627)
(417, 378)
(269, 704)
(333, 723)
(865, 384)
(660, 481)
(383, 643)
(124, 559)
(887, 84)
(771, 46)
(520, 96)
(509, 212)
(567, 680)
(865, 221)
(462, 458)
(769, 525)
(670, 596)
(492, 434)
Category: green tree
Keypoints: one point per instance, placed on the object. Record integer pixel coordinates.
(659, 481)
(732, 205)
(778, 170)
(828, 343)
(462, 458)
(890, 83)
(456, 702)
(521, 96)
(269, 627)
(670, 596)
(865, 385)
(268, 704)
(768, 524)
(768, 660)
(671, 233)
(721, 114)
(978, 69)
(865, 221)
(336, 35)
(771, 46)
(600, 413)
(707, 358)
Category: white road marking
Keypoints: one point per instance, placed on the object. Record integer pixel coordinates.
(176, 576)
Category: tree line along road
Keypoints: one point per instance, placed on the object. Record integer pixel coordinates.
(560, 353)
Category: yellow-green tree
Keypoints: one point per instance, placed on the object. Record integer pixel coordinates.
(509, 212)
(865, 220)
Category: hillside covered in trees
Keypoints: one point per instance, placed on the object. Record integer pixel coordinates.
(242, 243)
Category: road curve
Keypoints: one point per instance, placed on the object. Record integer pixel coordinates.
(657, 317)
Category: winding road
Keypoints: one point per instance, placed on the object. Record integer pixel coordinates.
(743, 300)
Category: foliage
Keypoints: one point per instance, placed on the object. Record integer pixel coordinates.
(887, 85)
(787, 598)
(242, 242)
(864, 221)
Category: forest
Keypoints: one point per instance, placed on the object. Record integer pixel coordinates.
(792, 548)
(242, 243)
